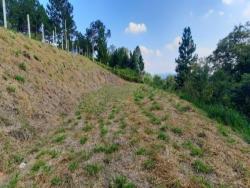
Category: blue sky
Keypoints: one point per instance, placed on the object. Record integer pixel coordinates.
(157, 25)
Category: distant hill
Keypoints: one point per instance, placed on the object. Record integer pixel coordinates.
(67, 122)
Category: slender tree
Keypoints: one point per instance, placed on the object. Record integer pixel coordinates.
(186, 57)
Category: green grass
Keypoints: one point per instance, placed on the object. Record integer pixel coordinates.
(13, 181)
(22, 66)
(93, 169)
(59, 138)
(121, 182)
(155, 106)
(200, 167)
(87, 128)
(177, 131)
(108, 149)
(194, 150)
(152, 117)
(224, 115)
(149, 164)
(141, 151)
(11, 89)
(73, 166)
(19, 78)
(56, 181)
(163, 136)
(38, 166)
(83, 140)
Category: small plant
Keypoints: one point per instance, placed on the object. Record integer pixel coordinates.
(155, 106)
(108, 149)
(177, 131)
(83, 140)
(153, 119)
(141, 151)
(93, 169)
(103, 130)
(194, 150)
(163, 136)
(56, 181)
(37, 166)
(73, 166)
(223, 130)
(121, 182)
(19, 78)
(181, 108)
(59, 138)
(149, 164)
(22, 66)
(87, 128)
(13, 181)
(200, 167)
(11, 89)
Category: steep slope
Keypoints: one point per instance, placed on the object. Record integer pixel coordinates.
(66, 122)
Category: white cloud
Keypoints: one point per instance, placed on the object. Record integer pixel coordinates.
(221, 13)
(209, 12)
(230, 2)
(174, 44)
(227, 2)
(135, 28)
(246, 12)
(149, 52)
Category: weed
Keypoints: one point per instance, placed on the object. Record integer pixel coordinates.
(149, 164)
(155, 106)
(11, 89)
(223, 130)
(13, 181)
(141, 151)
(200, 167)
(194, 150)
(22, 66)
(201, 181)
(19, 78)
(93, 169)
(83, 140)
(56, 181)
(87, 128)
(163, 136)
(73, 166)
(153, 119)
(177, 131)
(38, 166)
(59, 138)
(103, 130)
(138, 95)
(121, 182)
(108, 149)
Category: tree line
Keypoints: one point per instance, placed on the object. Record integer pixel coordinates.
(58, 18)
(219, 83)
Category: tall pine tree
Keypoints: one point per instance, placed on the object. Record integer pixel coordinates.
(186, 57)
(60, 11)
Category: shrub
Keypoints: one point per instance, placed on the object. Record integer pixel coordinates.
(22, 66)
(19, 78)
(163, 136)
(93, 169)
(200, 167)
(121, 182)
(11, 89)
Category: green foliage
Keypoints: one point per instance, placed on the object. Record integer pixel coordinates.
(56, 181)
(141, 151)
(121, 182)
(22, 66)
(177, 131)
(20, 78)
(108, 149)
(194, 150)
(38, 165)
(11, 89)
(59, 138)
(73, 166)
(163, 136)
(149, 164)
(83, 140)
(186, 57)
(200, 167)
(93, 169)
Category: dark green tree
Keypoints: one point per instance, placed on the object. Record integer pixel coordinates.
(137, 63)
(60, 13)
(97, 34)
(186, 57)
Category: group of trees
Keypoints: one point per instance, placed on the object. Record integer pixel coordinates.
(58, 18)
(222, 78)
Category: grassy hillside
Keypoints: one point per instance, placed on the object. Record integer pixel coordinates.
(66, 122)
